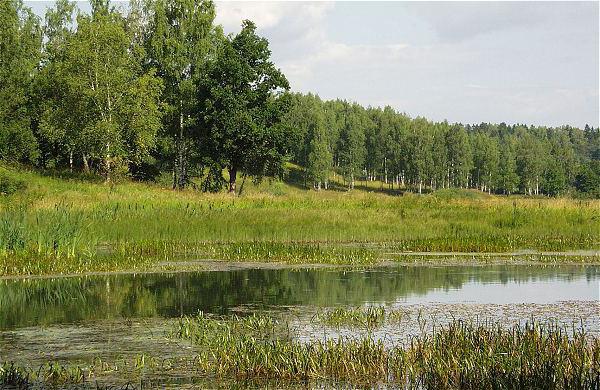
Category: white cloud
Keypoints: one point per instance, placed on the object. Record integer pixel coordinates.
(269, 14)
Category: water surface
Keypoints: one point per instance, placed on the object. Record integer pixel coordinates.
(80, 300)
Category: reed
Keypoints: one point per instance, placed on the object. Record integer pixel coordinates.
(459, 355)
(259, 349)
(369, 317)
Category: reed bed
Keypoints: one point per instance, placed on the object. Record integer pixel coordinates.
(459, 355)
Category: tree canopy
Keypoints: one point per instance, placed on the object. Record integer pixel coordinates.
(157, 90)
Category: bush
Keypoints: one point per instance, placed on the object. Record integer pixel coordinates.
(11, 183)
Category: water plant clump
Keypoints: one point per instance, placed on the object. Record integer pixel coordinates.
(51, 375)
(259, 349)
(368, 317)
(459, 355)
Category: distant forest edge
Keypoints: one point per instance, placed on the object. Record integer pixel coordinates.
(161, 90)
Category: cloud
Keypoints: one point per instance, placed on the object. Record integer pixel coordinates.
(457, 21)
(270, 14)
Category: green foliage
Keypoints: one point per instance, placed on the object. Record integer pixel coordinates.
(587, 180)
(161, 90)
(10, 182)
(241, 107)
(20, 42)
(351, 144)
(179, 38)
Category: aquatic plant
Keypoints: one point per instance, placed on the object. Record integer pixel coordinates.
(369, 317)
(459, 355)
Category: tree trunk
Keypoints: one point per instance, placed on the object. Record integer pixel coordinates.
(242, 185)
(86, 166)
(71, 160)
(385, 169)
(181, 179)
(107, 162)
(232, 179)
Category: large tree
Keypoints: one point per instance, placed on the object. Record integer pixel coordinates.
(57, 128)
(241, 103)
(460, 159)
(319, 160)
(114, 106)
(20, 43)
(179, 40)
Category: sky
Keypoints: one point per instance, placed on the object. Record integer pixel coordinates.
(470, 62)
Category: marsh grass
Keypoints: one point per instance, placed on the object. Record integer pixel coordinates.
(260, 349)
(368, 317)
(459, 355)
(74, 223)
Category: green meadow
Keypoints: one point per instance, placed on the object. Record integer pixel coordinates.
(52, 224)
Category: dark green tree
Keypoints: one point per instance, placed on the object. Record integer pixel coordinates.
(179, 39)
(241, 104)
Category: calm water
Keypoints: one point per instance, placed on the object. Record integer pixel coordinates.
(61, 301)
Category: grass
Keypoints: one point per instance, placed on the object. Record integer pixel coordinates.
(369, 317)
(260, 349)
(460, 355)
(60, 225)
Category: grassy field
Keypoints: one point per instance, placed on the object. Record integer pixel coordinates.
(53, 225)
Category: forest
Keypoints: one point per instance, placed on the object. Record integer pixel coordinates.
(156, 89)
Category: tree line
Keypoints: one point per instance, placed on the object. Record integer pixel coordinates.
(159, 88)
(383, 144)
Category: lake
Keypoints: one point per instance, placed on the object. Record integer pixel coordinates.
(75, 319)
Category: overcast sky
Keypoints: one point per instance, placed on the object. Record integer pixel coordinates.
(517, 62)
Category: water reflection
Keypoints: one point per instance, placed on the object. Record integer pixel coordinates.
(71, 300)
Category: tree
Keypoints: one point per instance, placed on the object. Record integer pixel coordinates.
(57, 127)
(351, 144)
(555, 180)
(115, 106)
(587, 180)
(486, 159)
(319, 160)
(460, 159)
(530, 164)
(241, 106)
(508, 180)
(418, 149)
(439, 156)
(179, 41)
(20, 45)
